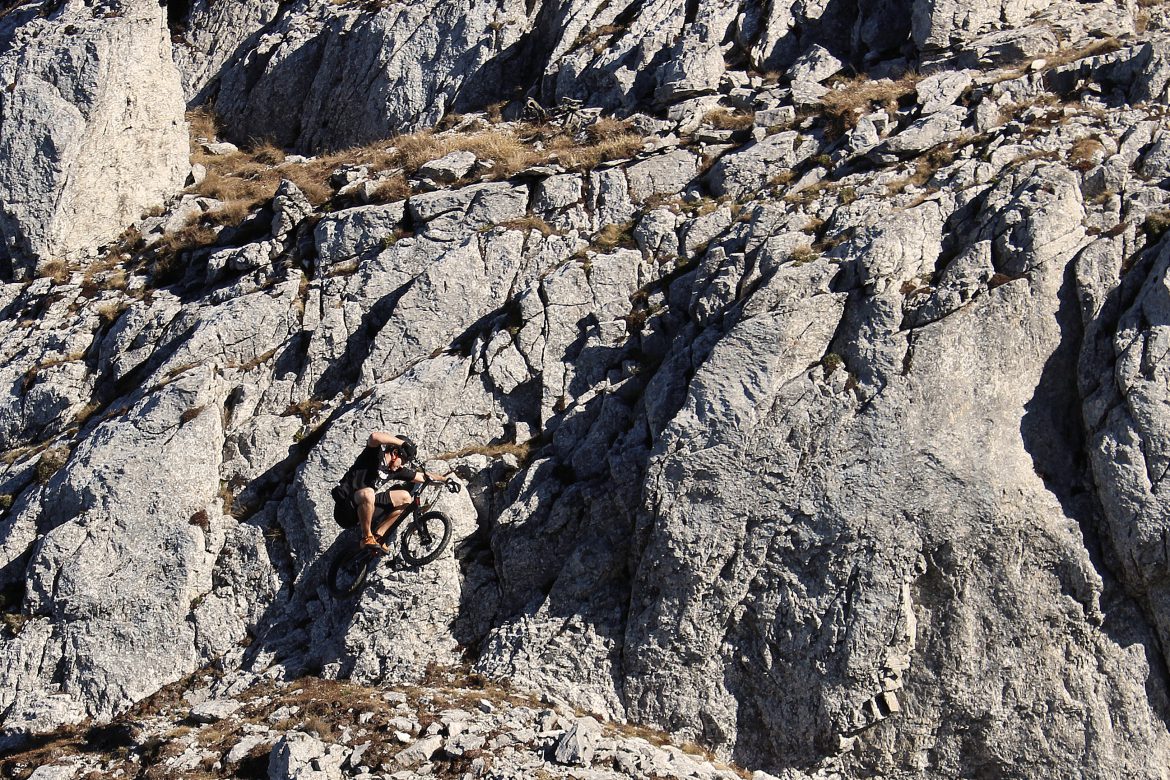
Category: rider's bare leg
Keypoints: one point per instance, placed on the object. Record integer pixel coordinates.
(399, 498)
(364, 502)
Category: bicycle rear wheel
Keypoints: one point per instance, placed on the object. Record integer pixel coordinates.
(425, 538)
(349, 571)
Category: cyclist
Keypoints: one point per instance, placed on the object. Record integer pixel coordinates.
(384, 460)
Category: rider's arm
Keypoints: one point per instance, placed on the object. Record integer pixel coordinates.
(427, 476)
(381, 438)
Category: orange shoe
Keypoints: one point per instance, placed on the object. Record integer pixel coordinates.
(372, 542)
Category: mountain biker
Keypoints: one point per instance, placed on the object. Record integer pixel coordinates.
(383, 460)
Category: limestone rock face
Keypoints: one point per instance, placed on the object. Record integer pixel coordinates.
(210, 34)
(824, 429)
(92, 130)
(346, 76)
(358, 72)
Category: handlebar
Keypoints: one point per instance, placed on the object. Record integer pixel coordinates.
(416, 488)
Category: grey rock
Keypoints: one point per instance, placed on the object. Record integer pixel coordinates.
(609, 198)
(701, 230)
(749, 170)
(657, 233)
(452, 213)
(245, 746)
(220, 148)
(289, 207)
(926, 133)
(212, 34)
(55, 772)
(988, 116)
(936, 24)
(93, 129)
(695, 67)
(214, 710)
(808, 93)
(789, 497)
(666, 174)
(576, 747)
(101, 578)
(864, 136)
(197, 176)
(448, 168)
(689, 114)
(355, 77)
(357, 231)
(782, 117)
(940, 90)
(815, 65)
(300, 756)
(559, 199)
(1155, 163)
(1005, 47)
(419, 752)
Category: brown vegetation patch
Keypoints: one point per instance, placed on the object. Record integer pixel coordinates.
(1156, 224)
(584, 157)
(614, 236)
(851, 99)
(1072, 54)
(531, 222)
(724, 119)
(50, 462)
(246, 180)
(520, 450)
(1085, 154)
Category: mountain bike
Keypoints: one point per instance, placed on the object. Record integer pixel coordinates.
(424, 536)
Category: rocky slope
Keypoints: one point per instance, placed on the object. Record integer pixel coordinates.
(207, 726)
(816, 419)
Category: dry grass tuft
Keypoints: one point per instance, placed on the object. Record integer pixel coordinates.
(613, 236)
(246, 180)
(392, 189)
(56, 270)
(507, 153)
(1072, 54)
(1085, 154)
(531, 222)
(520, 450)
(724, 119)
(203, 126)
(586, 157)
(50, 462)
(853, 98)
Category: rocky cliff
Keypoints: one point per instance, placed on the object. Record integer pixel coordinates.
(804, 364)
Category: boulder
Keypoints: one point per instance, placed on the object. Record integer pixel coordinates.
(748, 170)
(815, 65)
(926, 133)
(352, 232)
(448, 168)
(300, 756)
(214, 710)
(694, 68)
(941, 90)
(661, 175)
(419, 752)
(576, 747)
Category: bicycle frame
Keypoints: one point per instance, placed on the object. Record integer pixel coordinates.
(415, 508)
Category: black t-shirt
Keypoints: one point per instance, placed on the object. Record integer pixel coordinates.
(368, 471)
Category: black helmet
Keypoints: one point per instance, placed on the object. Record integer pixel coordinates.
(408, 449)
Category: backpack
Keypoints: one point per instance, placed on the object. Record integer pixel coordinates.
(343, 512)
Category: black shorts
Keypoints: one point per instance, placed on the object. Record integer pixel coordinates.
(345, 509)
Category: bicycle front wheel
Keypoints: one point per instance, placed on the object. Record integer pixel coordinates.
(349, 571)
(425, 538)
